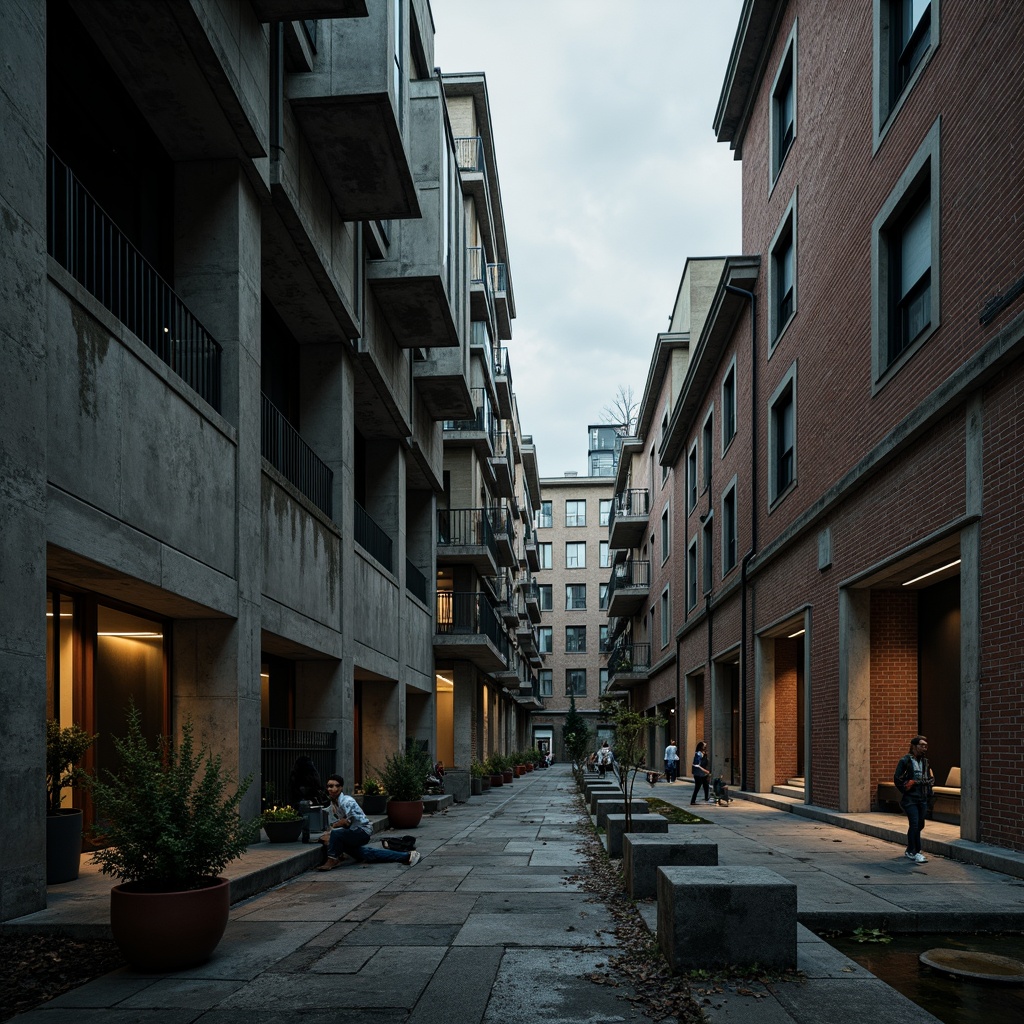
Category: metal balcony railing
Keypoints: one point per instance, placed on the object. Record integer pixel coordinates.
(498, 276)
(466, 528)
(483, 418)
(415, 581)
(283, 447)
(371, 538)
(634, 502)
(628, 575)
(501, 520)
(478, 276)
(502, 448)
(629, 658)
(90, 247)
(469, 153)
(470, 613)
(501, 365)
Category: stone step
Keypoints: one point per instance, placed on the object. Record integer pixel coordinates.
(789, 790)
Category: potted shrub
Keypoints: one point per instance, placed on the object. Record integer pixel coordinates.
(170, 816)
(403, 777)
(494, 766)
(476, 777)
(507, 770)
(64, 749)
(374, 798)
(282, 824)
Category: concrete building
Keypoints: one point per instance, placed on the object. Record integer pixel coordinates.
(846, 444)
(575, 560)
(236, 304)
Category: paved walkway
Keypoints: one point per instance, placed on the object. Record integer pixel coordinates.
(488, 929)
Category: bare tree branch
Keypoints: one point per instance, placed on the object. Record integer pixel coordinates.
(622, 411)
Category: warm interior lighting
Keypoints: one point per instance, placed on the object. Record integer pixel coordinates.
(799, 632)
(941, 568)
(63, 615)
(135, 636)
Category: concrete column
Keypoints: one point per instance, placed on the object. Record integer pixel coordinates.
(970, 630)
(217, 274)
(721, 721)
(764, 709)
(464, 712)
(23, 421)
(854, 702)
(324, 702)
(382, 722)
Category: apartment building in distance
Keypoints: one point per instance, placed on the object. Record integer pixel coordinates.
(239, 313)
(846, 445)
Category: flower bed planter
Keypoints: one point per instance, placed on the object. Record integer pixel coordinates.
(283, 831)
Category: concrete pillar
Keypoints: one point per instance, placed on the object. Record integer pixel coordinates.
(764, 709)
(464, 710)
(721, 721)
(854, 701)
(23, 421)
(217, 274)
(382, 722)
(324, 702)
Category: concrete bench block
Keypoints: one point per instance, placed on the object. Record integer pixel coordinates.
(432, 804)
(715, 916)
(603, 808)
(642, 855)
(602, 794)
(615, 829)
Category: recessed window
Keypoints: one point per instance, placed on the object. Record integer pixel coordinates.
(606, 511)
(906, 33)
(602, 597)
(707, 443)
(729, 406)
(575, 597)
(666, 536)
(691, 478)
(544, 553)
(603, 640)
(544, 516)
(575, 555)
(605, 555)
(604, 680)
(782, 437)
(691, 574)
(782, 273)
(708, 534)
(729, 529)
(666, 617)
(575, 513)
(905, 258)
(544, 683)
(575, 639)
(544, 592)
(661, 442)
(575, 682)
(783, 109)
(544, 639)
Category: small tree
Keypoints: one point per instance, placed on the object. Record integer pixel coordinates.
(576, 737)
(630, 745)
(622, 411)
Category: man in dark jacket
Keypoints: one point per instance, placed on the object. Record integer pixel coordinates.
(913, 778)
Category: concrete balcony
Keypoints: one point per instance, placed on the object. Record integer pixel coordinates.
(629, 587)
(532, 594)
(476, 432)
(530, 468)
(442, 383)
(508, 601)
(503, 382)
(526, 637)
(498, 276)
(303, 10)
(504, 536)
(469, 153)
(629, 665)
(502, 466)
(481, 298)
(468, 630)
(628, 522)
(352, 109)
(465, 536)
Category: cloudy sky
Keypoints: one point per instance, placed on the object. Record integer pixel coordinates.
(610, 177)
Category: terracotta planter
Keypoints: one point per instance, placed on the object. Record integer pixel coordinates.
(166, 931)
(283, 831)
(63, 846)
(520, 770)
(405, 813)
(509, 775)
(529, 768)
(498, 779)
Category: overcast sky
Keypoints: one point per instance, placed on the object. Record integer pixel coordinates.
(610, 177)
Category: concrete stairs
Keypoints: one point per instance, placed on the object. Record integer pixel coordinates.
(792, 788)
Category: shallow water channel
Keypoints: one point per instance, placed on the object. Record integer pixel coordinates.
(952, 1000)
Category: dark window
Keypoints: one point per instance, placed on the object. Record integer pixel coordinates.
(709, 577)
(729, 530)
(729, 407)
(602, 599)
(910, 277)
(691, 574)
(544, 517)
(783, 292)
(708, 443)
(575, 639)
(575, 596)
(783, 441)
(575, 682)
(909, 37)
(783, 112)
(544, 592)
(544, 635)
(544, 682)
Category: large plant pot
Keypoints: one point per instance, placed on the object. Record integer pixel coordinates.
(485, 782)
(166, 931)
(283, 831)
(520, 770)
(405, 813)
(498, 779)
(508, 776)
(375, 803)
(63, 846)
(476, 787)
(529, 767)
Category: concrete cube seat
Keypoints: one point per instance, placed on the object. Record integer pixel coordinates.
(605, 807)
(711, 917)
(615, 829)
(436, 802)
(642, 855)
(602, 794)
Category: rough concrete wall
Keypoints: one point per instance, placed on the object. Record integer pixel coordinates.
(375, 620)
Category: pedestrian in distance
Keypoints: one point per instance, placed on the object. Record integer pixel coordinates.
(701, 773)
(351, 830)
(671, 761)
(913, 778)
(604, 758)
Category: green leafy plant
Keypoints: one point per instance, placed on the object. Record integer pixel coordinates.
(279, 814)
(478, 769)
(64, 749)
(371, 787)
(169, 813)
(403, 774)
(577, 737)
(871, 935)
(630, 745)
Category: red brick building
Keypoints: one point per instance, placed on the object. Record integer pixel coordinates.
(845, 450)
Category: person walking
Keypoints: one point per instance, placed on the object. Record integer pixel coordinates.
(701, 773)
(350, 831)
(671, 761)
(913, 778)
(604, 758)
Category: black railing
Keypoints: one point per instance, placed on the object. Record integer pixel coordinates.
(466, 528)
(90, 247)
(501, 365)
(415, 581)
(630, 575)
(501, 520)
(483, 417)
(469, 153)
(371, 538)
(634, 502)
(629, 658)
(502, 448)
(470, 613)
(279, 749)
(282, 446)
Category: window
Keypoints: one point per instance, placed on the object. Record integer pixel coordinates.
(575, 639)
(782, 437)
(729, 406)
(708, 533)
(906, 33)
(691, 574)
(544, 593)
(666, 617)
(576, 555)
(544, 516)
(604, 680)
(575, 513)
(605, 555)
(602, 598)
(575, 682)
(729, 529)
(782, 271)
(575, 597)
(606, 511)
(661, 441)
(544, 636)
(905, 261)
(665, 535)
(603, 640)
(544, 683)
(544, 550)
(783, 111)
(691, 478)
(706, 435)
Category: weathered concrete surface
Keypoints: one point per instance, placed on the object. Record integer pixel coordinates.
(603, 808)
(642, 855)
(615, 829)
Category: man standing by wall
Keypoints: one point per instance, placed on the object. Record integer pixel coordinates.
(913, 778)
